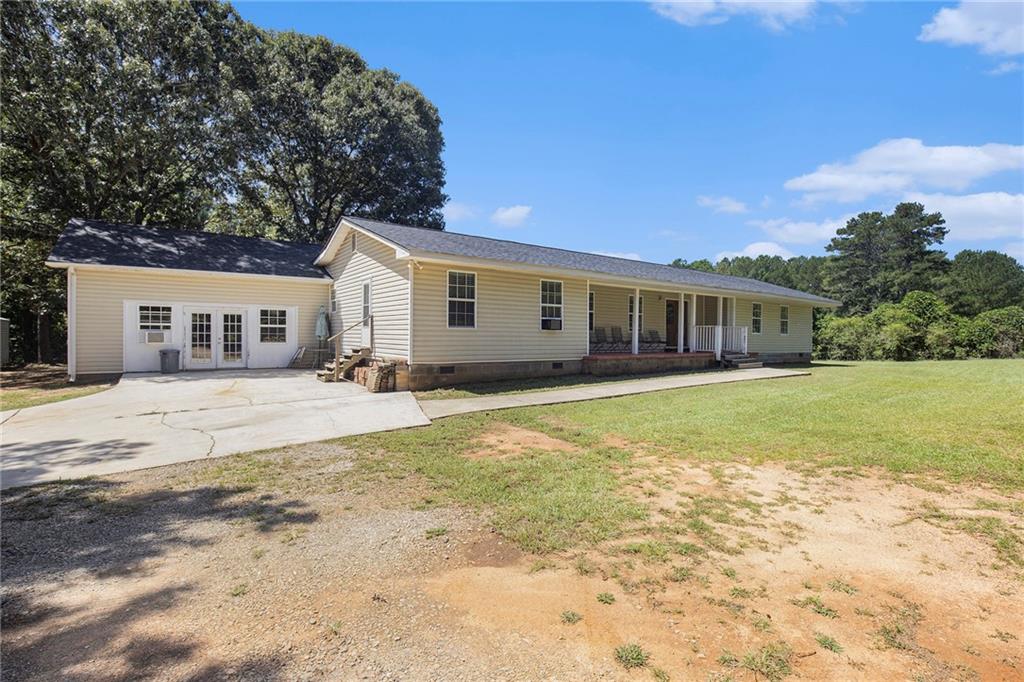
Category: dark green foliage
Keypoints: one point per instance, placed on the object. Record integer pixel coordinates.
(704, 265)
(983, 280)
(181, 113)
(920, 327)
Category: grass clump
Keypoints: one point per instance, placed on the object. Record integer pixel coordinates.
(837, 585)
(659, 675)
(826, 642)
(436, 532)
(770, 661)
(631, 656)
(900, 631)
(815, 604)
(679, 574)
(571, 617)
(239, 590)
(606, 598)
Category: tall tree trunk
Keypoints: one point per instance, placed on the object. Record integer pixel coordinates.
(43, 351)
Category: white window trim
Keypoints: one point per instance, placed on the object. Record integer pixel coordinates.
(781, 320)
(475, 299)
(640, 314)
(162, 327)
(561, 305)
(260, 326)
(759, 317)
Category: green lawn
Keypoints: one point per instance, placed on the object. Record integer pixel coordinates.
(40, 384)
(955, 421)
(513, 386)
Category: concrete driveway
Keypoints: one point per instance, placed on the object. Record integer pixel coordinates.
(149, 420)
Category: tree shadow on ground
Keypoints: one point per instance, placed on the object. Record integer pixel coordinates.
(51, 530)
(91, 646)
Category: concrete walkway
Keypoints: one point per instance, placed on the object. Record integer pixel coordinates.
(436, 409)
(150, 420)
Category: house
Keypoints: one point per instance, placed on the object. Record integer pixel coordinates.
(444, 307)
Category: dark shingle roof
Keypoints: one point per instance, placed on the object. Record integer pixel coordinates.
(454, 244)
(92, 242)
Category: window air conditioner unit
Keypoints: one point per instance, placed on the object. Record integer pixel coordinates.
(156, 337)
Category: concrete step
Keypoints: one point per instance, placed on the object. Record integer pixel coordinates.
(752, 364)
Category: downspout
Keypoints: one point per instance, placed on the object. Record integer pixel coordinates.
(72, 336)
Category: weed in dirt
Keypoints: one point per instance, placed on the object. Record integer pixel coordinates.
(436, 532)
(837, 585)
(733, 607)
(659, 675)
(762, 624)
(1003, 636)
(740, 593)
(571, 617)
(239, 590)
(826, 642)
(650, 551)
(691, 550)
(542, 565)
(864, 612)
(585, 566)
(631, 656)
(606, 598)
(729, 659)
(814, 603)
(258, 552)
(899, 632)
(729, 572)
(771, 661)
(679, 574)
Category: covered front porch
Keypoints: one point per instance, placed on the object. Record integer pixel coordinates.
(652, 323)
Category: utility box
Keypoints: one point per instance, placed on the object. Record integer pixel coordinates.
(169, 360)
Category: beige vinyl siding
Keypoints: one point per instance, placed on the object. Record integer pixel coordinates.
(611, 309)
(770, 340)
(389, 277)
(100, 294)
(507, 319)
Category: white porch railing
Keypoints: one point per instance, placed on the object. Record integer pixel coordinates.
(716, 338)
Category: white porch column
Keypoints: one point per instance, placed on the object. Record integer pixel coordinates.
(586, 351)
(636, 321)
(718, 319)
(680, 322)
(693, 321)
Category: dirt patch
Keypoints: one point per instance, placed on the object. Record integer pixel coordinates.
(316, 562)
(506, 440)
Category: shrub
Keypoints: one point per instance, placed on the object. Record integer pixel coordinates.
(631, 656)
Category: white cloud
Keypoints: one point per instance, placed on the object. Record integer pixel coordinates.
(1004, 68)
(511, 216)
(617, 254)
(994, 27)
(722, 204)
(904, 165)
(800, 231)
(757, 249)
(987, 215)
(775, 16)
(454, 211)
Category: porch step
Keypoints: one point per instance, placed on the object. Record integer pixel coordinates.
(348, 362)
(749, 364)
(740, 360)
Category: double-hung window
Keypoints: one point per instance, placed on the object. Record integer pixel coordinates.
(461, 299)
(640, 313)
(550, 305)
(783, 319)
(273, 325)
(590, 311)
(756, 312)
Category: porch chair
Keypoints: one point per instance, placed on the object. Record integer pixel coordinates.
(653, 342)
(620, 345)
(599, 342)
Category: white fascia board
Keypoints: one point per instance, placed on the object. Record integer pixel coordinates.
(601, 279)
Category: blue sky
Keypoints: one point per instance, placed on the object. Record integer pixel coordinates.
(693, 130)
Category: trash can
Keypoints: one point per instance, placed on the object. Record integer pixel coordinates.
(169, 360)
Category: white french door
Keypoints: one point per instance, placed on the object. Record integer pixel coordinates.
(214, 338)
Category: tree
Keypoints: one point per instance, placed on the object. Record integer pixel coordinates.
(983, 280)
(880, 258)
(335, 138)
(123, 111)
(704, 265)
